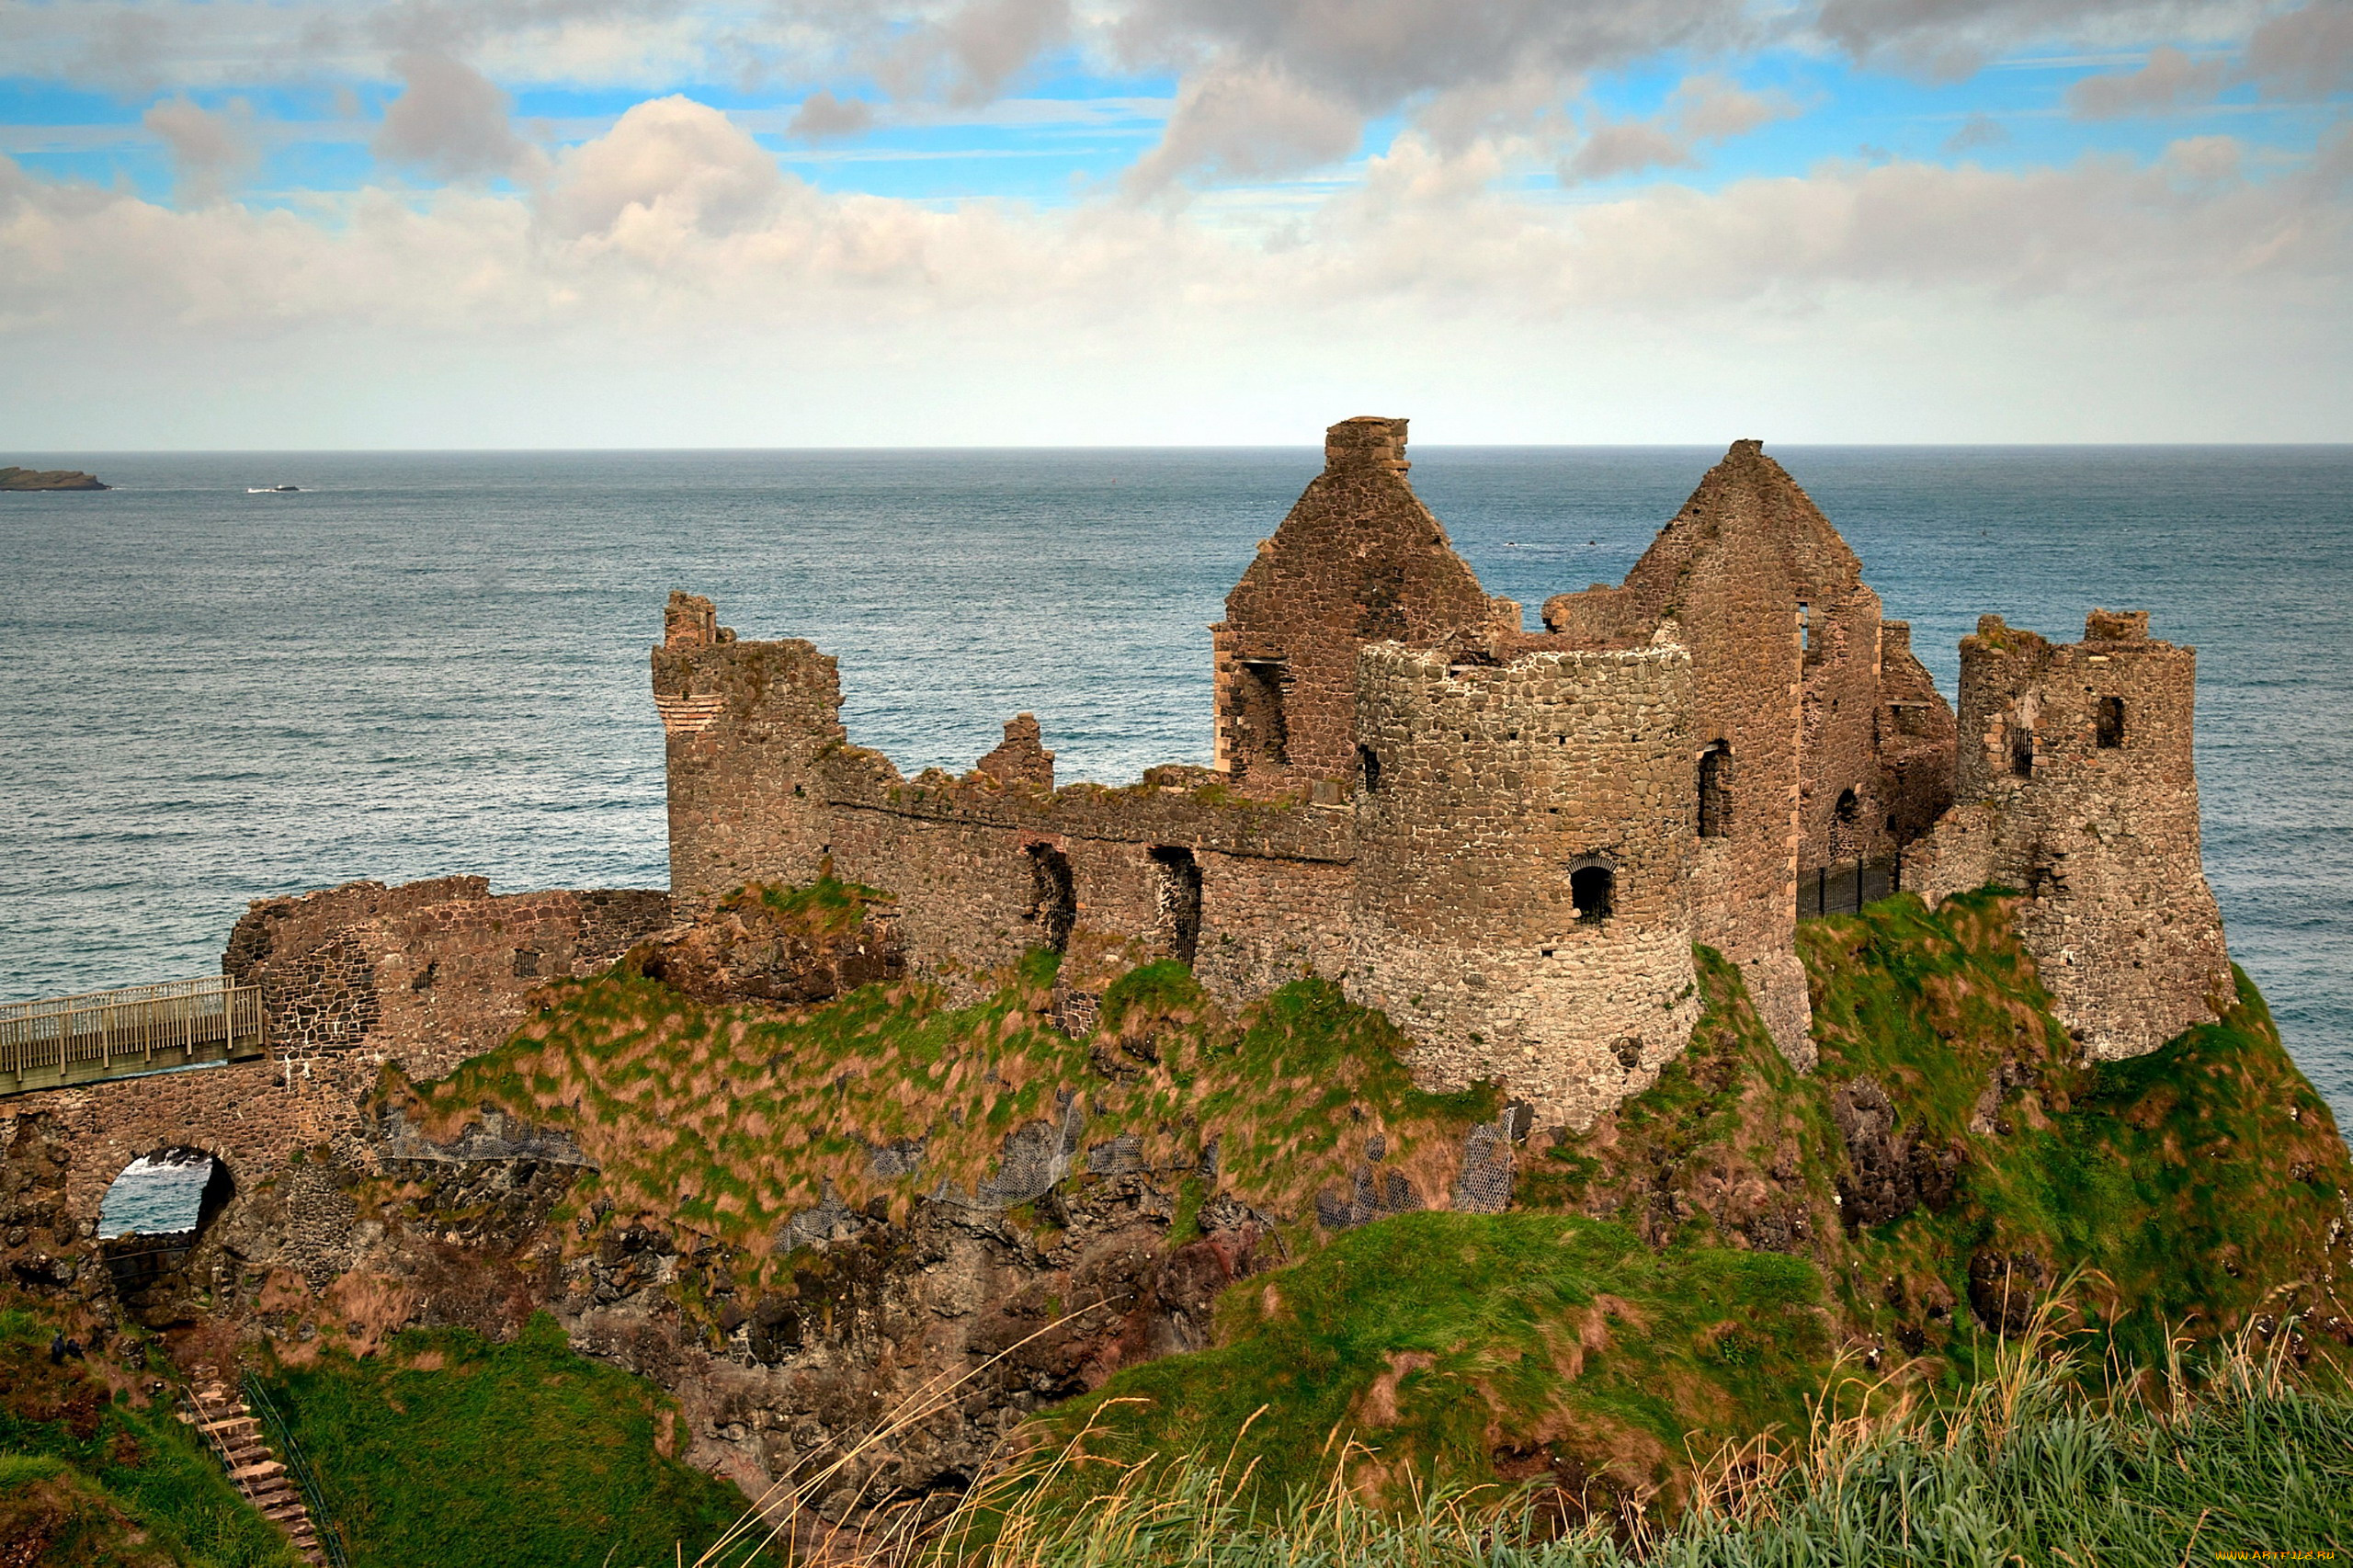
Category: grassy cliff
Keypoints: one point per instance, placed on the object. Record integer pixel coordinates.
(1692, 1270)
(449, 1450)
(1949, 1163)
(727, 1120)
(92, 1475)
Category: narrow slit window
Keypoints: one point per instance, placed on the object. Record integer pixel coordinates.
(2022, 751)
(1715, 795)
(2110, 721)
(1368, 767)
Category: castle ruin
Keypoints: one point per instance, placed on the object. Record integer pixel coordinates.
(1510, 841)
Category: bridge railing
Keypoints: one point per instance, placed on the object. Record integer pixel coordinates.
(139, 1028)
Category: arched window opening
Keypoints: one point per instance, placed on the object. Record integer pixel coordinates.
(1265, 733)
(2021, 751)
(1178, 893)
(1715, 796)
(1593, 888)
(152, 1218)
(1368, 767)
(1845, 810)
(1053, 903)
(2111, 723)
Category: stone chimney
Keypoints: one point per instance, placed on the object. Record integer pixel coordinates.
(1365, 442)
(2117, 626)
(689, 621)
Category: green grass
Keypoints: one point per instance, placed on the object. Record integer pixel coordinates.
(2192, 1187)
(2199, 1184)
(123, 1483)
(1678, 1276)
(1433, 1337)
(2032, 1467)
(505, 1456)
(726, 1120)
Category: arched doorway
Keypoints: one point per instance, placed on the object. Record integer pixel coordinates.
(156, 1211)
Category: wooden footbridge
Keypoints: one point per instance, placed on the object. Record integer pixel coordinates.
(117, 1034)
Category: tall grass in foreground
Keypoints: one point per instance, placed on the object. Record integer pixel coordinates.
(2235, 1457)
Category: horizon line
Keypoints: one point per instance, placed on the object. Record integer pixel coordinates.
(96, 451)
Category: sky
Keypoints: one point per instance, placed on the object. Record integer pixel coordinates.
(281, 224)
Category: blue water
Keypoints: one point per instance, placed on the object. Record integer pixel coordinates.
(436, 662)
(154, 1195)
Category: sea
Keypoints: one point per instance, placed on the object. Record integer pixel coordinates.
(427, 662)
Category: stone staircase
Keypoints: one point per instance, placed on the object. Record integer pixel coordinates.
(218, 1411)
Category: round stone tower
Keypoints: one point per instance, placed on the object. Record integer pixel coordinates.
(1521, 908)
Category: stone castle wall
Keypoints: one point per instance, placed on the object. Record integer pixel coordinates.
(2078, 786)
(1359, 560)
(1499, 793)
(1797, 734)
(1527, 761)
(765, 787)
(1412, 789)
(429, 972)
(1830, 743)
(421, 975)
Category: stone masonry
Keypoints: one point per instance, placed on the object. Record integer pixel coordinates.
(1508, 840)
(1829, 741)
(353, 977)
(2077, 786)
(1359, 560)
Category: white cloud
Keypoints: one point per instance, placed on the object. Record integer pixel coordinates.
(2305, 54)
(822, 116)
(671, 172)
(1951, 39)
(1247, 122)
(970, 54)
(1626, 147)
(678, 218)
(1977, 131)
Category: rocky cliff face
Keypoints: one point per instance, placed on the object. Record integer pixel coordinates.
(803, 1194)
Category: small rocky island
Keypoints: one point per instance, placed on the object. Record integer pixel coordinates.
(49, 479)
